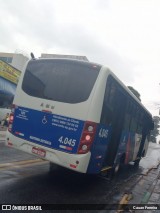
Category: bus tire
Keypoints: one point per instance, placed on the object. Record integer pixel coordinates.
(136, 162)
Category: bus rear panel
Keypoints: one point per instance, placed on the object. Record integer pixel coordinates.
(49, 114)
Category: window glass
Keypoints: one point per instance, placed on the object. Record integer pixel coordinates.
(109, 102)
(6, 59)
(127, 121)
(134, 123)
(60, 80)
(3, 59)
(133, 127)
(9, 60)
(111, 97)
(140, 122)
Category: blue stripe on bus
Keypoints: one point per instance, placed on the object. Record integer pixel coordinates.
(46, 129)
(99, 148)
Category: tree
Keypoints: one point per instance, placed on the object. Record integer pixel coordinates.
(155, 131)
(135, 92)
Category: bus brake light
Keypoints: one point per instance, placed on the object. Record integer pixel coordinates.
(11, 118)
(87, 137)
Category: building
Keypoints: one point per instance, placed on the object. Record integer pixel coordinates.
(17, 60)
(11, 66)
(9, 77)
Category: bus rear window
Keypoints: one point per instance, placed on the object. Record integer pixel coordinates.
(60, 80)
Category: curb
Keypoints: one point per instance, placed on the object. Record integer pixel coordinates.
(130, 197)
(148, 193)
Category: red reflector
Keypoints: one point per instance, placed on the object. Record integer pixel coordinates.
(11, 118)
(10, 143)
(73, 166)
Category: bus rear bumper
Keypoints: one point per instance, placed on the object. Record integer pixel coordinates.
(76, 162)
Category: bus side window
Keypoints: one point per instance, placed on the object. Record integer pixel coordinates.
(146, 126)
(127, 119)
(140, 121)
(111, 97)
(108, 105)
(133, 126)
(127, 122)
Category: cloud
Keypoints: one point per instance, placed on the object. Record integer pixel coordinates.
(124, 35)
(38, 25)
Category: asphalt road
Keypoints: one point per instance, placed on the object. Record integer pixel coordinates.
(26, 179)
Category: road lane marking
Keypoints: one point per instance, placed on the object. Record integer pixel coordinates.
(25, 163)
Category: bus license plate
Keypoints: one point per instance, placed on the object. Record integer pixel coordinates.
(39, 151)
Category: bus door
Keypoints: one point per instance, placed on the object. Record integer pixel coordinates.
(145, 132)
(116, 101)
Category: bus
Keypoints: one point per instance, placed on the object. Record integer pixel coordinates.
(77, 115)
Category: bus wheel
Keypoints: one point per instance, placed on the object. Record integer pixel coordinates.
(136, 162)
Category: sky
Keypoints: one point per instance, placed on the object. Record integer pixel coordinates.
(121, 34)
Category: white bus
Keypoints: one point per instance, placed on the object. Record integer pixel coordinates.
(77, 115)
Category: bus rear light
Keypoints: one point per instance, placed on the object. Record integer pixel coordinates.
(10, 143)
(73, 166)
(11, 118)
(87, 137)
